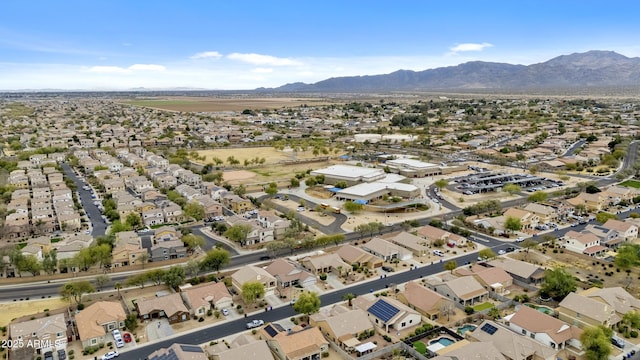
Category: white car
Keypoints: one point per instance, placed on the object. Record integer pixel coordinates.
(501, 252)
(255, 324)
(520, 239)
(110, 355)
(225, 312)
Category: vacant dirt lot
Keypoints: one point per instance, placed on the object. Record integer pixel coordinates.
(270, 154)
(214, 104)
(13, 310)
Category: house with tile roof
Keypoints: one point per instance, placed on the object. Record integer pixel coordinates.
(583, 243)
(290, 274)
(492, 278)
(326, 263)
(170, 306)
(426, 301)
(544, 328)
(388, 313)
(308, 343)
(528, 219)
(342, 325)
(583, 311)
(97, 320)
(413, 243)
(179, 352)
(386, 250)
(242, 347)
(202, 297)
(618, 298)
(465, 290)
(253, 273)
(519, 270)
(511, 345)
(355, 255)
(44, 334)
(626, 230)
(433, 233)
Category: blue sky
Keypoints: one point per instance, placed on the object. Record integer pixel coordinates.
(116, 44)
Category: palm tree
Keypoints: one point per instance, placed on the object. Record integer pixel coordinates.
(118, 286)
(349, 297)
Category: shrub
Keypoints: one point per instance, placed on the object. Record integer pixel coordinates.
(254, 331)
(386, 337)
(80, 306)
(325, 354)
(209, 312)
(468, 310)
(201, 319)
(633, 333)
(323, 276)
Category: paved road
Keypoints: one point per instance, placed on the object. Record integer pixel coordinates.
(334, 228)
(97, 223)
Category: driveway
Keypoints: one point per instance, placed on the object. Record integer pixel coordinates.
(158, 329)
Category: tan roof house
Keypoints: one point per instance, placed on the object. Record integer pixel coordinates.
(583, 243)
(179, 352)
(464, 290)
(390, 314)
(511, 345)
(428, 302)
(242, 347)
(203, 297)
(413, 243)
(626, 230)
(97, 320)
(583, 311)
(433, 233)
(253, 273)
(386, 250)
(342, 325)
(592, 202)
(546, 214)
(169, 306)
(543, 328)
(354, 255)
(519, 270)
(616, 297)
(492, 278)
(527, 219)
(289, 274)
(308, 343)
(50, 332)
(325, 264)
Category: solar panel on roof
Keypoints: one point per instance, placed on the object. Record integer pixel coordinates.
(383, 310)
(191, 348)
(489, 329)
(270, 330)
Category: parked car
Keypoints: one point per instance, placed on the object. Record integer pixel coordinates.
(520, 239)
(438, 253)
(266, 257)
(255, 324)
(110, 355)
(225, 312)
(117, 337)
(127, 337)
(502, 252)
(62, 355)
(618, 342)
(510, 249)
(48, 355)
(388, 269)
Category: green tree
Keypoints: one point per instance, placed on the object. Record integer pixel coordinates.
(602, 217)
(511, 188)
(75, 290)
(512, 224)
(137, 280)
(450, 265)
(538, 196)
(30, 264)
(441, 184)
(192, 268)
(632, 318)
(215, 260)
(558, 283)
(486, 253)
(494, 313)
(349, 298)
(272, 189)
(193, 241)
(194, 211)
(131, 322)
(174, 277)
(238, 233)
(133, 220)
(118, 286)
(118, 226)
(627, 256)
(352, 207)
(295, 182)
(101, 280)
(50, 262)
(596, 342)
(251, 291)
(307, 303)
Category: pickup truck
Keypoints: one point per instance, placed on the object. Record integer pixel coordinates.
(255, 324)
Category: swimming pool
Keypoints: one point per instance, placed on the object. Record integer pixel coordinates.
(465, 328)
(542, 309)
(444, 341)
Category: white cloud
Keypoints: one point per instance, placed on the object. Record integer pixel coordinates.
(262, 70)
(258, 59)
(107, 70)
(206, 55)
(470, 47)
(147, 67)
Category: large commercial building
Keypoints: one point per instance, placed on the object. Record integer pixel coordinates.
(413, 168)
(367, 192)
(352, 175)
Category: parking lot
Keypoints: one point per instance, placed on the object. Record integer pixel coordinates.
(482, 181)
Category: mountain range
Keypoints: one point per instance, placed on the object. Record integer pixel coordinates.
(592, 69)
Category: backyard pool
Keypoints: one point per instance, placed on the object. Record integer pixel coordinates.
(543, 309)
(444, 341)
(465, 328)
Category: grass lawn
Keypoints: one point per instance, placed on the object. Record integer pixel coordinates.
(420, 347)
(631, 183)
(483, 306)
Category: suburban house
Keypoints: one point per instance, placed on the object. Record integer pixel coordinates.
(511, 345)
(618, 298)
(543, 328)
(167, 250)
(253, 273)
(342, 325)
(97, 320)
(386, 250)
(528, 220)
(583, 311)
(521, 271)
(290, 274)
(545, 214)
(433, 233)
(465, 290)
(44, 334)
(236, 203)
(389, 313)
(166, 233)
(169, 306)
(584, 243)
(625, 230)
(354, 255)
(428, 302)
(470, 350)
(304, 344)
(492, 278)
(608, 237)
(203, 297)
(411, 242)
(325, 264)
(179, 352)
(592, 202)
(242, 347)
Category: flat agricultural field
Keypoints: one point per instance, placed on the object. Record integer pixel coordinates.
(213, 104)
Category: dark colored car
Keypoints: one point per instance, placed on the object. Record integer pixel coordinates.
(387, 268)
(62, 355)
(48, 355)
(262, 258)
(510, 249)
